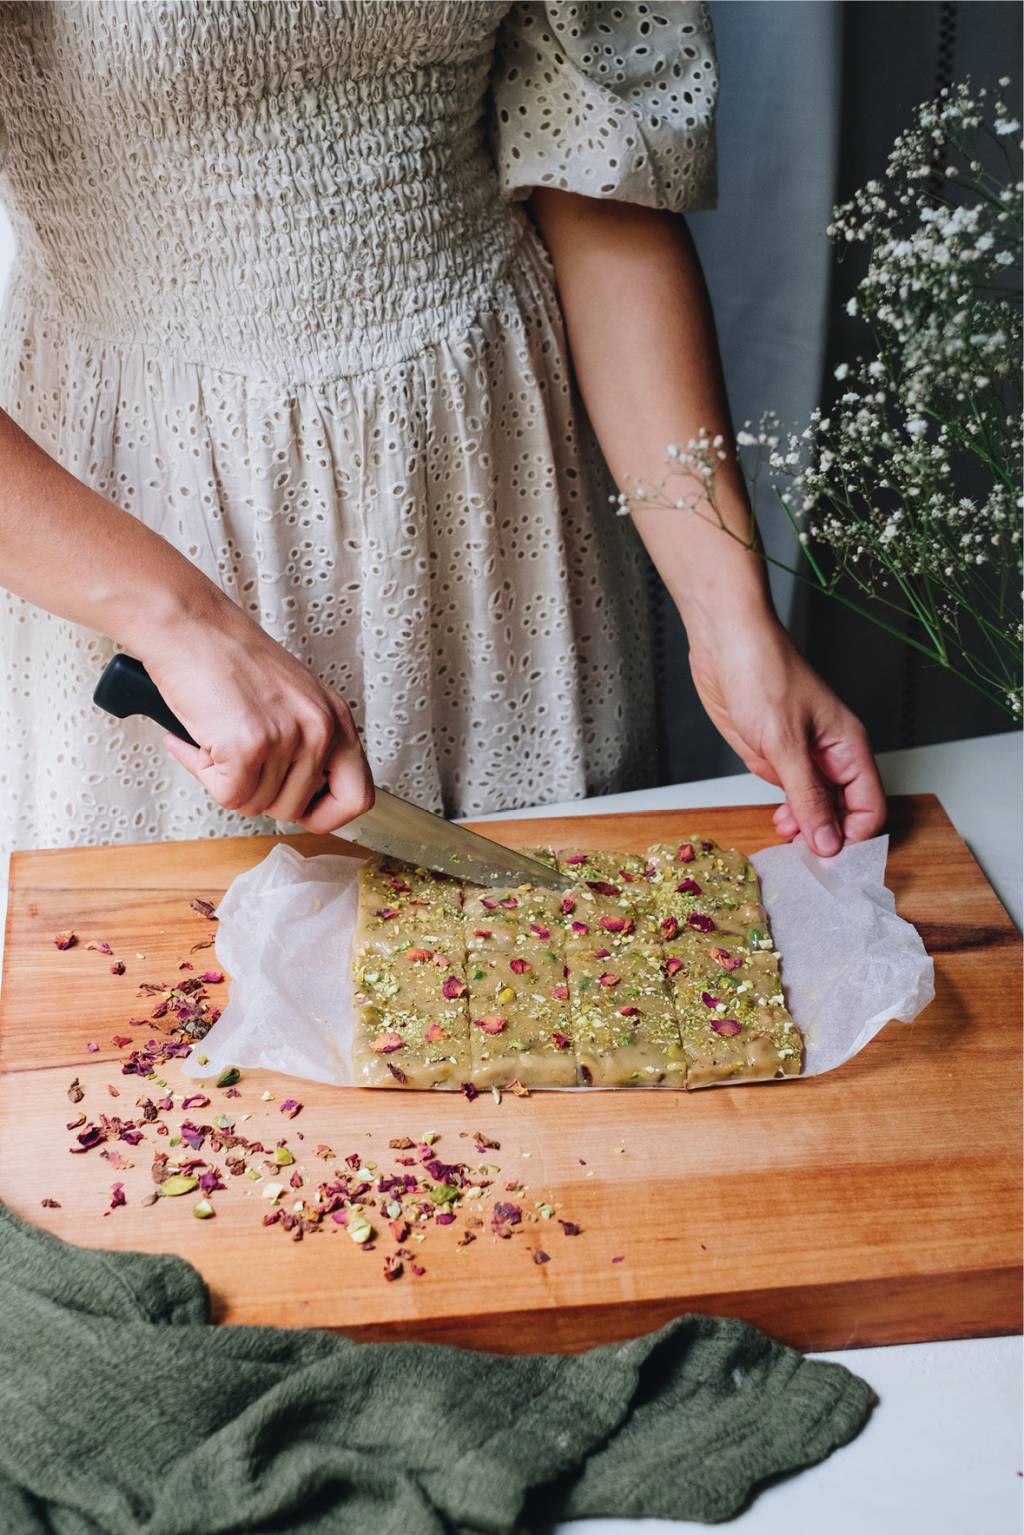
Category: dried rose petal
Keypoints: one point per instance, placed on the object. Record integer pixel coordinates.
(398, 1075)
(689, 887)
(560, 992)
(482, 932)
(76, 1092)
(444, 1219)
(452, 987)
(568, 905)
(540, 1256)
(685, 853)
(212, 977)
(540, 930)
(393, 1267)
(387, 912)
(491, 1023)
(488, 903)
(386, 1043)
(418, 956)
(700, 922)
(629, 1012)
(291, 1107)
(120, 1040)
(725, 959)
(118, 967)
(92, 1046)
(509, 902)
(519, 966)
(601, 953)
(66, 940)
(708, 1000)
(398, 886)
(602, 887)
(470, 1090)
(434, 1034)
(570, 1228)
(669, 927)
(673, 965)
(204, 908)
(195, 1101)
(580, 928)
(561, 1041)
(575, 858)
(617, 924)
(508, 1214)
(117, 1196)
(607, 978)
(51, 1204)
(727, 1027)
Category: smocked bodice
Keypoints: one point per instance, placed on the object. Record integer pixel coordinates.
(298, 190)
(275, 297)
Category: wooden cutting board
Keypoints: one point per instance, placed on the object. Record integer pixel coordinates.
(878, 1204)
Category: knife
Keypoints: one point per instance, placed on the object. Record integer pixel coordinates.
(393, 827)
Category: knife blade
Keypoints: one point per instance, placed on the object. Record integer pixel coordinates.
(393, 827)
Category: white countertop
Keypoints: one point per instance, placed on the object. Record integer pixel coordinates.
(942, 1453)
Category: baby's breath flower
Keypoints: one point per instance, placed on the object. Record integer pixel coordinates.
(932, 407)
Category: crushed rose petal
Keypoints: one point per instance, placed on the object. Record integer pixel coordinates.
(385, 1043)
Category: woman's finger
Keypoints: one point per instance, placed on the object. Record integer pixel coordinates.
(785, 821)
(305, 777)
(810, 800)
(348, 791)
(847, 761)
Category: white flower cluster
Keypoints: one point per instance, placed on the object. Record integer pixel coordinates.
(908, 494)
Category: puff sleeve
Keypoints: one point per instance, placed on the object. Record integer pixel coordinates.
(608, 100)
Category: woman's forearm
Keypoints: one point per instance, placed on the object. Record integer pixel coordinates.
(643, 344)
(71, 551)
(646, 359)
(274, 740)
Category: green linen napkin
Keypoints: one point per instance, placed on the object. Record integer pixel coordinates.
(123, 1410)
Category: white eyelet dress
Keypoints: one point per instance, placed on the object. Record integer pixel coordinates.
(276, 295)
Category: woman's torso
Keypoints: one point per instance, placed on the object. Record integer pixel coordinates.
(288, 190)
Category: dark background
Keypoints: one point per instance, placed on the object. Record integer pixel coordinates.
(893, 56)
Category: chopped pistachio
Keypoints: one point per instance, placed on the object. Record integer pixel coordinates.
(203, 1210)
(283, 1157)
(229, 1076)
(178, 1183)
(273, 1191)
(358, 1227)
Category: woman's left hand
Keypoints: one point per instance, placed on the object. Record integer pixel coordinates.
(791, 729)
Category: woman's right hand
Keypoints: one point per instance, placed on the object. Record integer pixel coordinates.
(273, 739)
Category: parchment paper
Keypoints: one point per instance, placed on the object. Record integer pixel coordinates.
(849, 963)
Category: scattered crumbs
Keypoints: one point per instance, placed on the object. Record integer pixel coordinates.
(51, 1204)
(66, 940)
(540, 1256)
(618, 1258)
(91, 1046)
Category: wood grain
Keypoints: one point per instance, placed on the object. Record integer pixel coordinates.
(878, 1204)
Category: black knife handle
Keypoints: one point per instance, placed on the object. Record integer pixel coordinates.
(127, 688)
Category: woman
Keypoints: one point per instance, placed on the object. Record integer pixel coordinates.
(289, 416)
